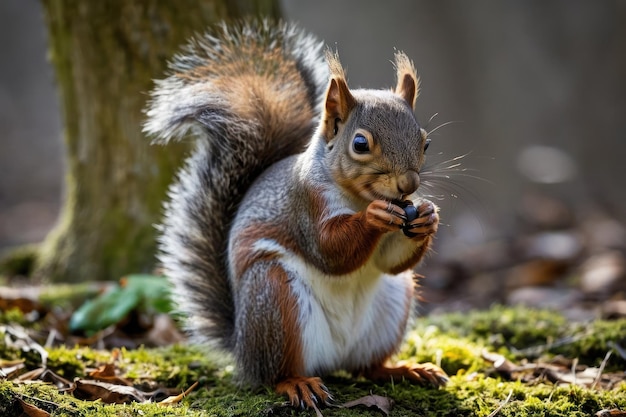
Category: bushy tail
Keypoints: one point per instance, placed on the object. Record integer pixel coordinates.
(251, 94)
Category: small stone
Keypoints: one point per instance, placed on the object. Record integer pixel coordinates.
(536, 272)
(603, 233)
(563, 245)
(544, 297)
(602, 273)
(614, 309)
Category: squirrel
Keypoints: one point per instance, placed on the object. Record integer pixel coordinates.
(292, 230)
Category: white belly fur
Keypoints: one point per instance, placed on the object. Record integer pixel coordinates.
(348, 321)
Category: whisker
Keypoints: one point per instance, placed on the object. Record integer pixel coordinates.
(460, 173)
(431, 118)
(456, 158)
(449, 182)
(429, 132)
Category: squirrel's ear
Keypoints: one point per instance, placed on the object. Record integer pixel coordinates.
(339, 101)
(408, 81)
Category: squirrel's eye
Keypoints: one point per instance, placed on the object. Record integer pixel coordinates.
(424, 136)
(360, 144)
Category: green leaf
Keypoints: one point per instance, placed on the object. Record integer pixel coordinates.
(146, 293)
(154, 292)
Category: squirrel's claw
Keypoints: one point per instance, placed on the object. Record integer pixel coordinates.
(385, 215)
(427, 372)
(421, 373)
(425, 222)
(304, 392)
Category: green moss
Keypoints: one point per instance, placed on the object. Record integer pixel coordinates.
(175, 366)
(19, 261)
(47, 398)
(14, 316)
(501, 325)
(522, 333)
(71, 363)
(428, 343)
(455, 340)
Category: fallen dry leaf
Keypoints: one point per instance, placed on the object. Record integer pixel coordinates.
(383, 404)
(107, 373)
(45, 375)
(499, 362)
(16, 337)
(8, 369)
(32, 411)
(107, 393)
(560, 371)
(25, 299)
(611, 413)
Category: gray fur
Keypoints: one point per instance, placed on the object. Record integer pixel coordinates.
(230, 153)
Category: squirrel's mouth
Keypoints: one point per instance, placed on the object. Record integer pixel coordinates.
(382, 195)
(369, 189)
(386, 187)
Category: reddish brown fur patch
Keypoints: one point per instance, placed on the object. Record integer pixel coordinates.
(260, 84)
(408, 81)
(245, 255)
(406, 89)
(347, 242)
(263, 98)
(339, 104)
(339, 101)
(292, 363)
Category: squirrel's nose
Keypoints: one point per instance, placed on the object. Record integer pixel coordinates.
(408, 182)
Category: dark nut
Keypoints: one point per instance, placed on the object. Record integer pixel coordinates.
(411, 213)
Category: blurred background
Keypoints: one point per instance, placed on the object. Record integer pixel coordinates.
(532, 95)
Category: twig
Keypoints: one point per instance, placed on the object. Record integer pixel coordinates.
(502, 404)
(535, 351)
(35, 399)
(574, 365)
(602, 365)
(439, 355)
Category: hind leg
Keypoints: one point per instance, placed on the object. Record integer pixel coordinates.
(268, 346)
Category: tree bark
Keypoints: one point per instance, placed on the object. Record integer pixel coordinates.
(106, 55)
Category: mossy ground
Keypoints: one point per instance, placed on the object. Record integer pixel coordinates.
(455, 340)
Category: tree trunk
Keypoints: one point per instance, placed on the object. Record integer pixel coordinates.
(106, 54)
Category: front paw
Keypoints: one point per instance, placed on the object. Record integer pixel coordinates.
(385, 216)
(424, 222)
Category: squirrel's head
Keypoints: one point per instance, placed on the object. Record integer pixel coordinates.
(374, 144)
